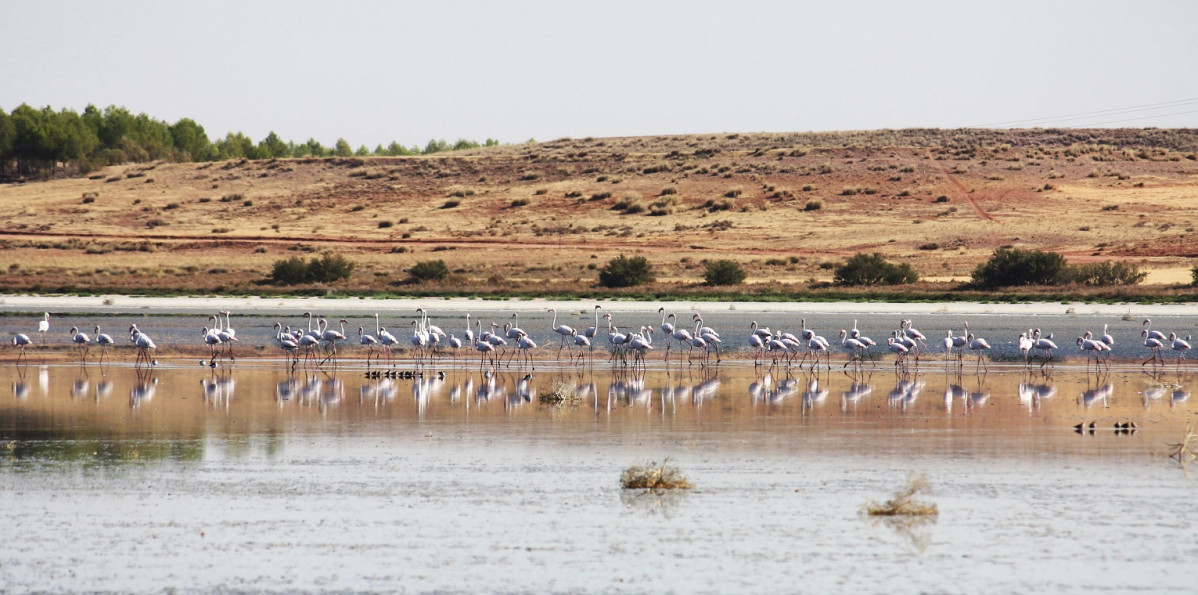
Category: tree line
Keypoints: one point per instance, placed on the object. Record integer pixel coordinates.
(44, 141)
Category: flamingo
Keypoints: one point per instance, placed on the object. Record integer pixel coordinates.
(456, 345)
(81, 340)
(817, 345)
(758, 346)
(898, 349)
(1180, 346)
(21, 340)
(144, 344)
(43, 326)
(1106, 337)
(978, 345)
(640, 344)
(1090, 346)
(698, 342)
(710, 336)
(526, 345)
(1154, 334)
(212, 339)
(419, 340)
(778, 345)
(855, 346)
(286, 341)
(483, 346)
(667, 328)
(104, 341)
(561, 329)
(367, 341)
(1153, 344)
(681, 335)
(581, 341)
(1044, 344)
(514, 332)
(1025, 346)
(914, 336)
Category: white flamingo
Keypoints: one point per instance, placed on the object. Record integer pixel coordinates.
(287, 342)
(1091, 347)
(144, 344)
(526, 345)
(1180, 346)
(898, 349)
(854, 346)
(367, 341)
(43, 326)
(561, 329)
(21, 340)
(979, 346)
(80, 339)
(1153, 334)
(1154, 345)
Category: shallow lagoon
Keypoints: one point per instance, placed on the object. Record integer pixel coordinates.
(253, 478)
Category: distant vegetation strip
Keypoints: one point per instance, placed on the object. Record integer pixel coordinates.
(41, 141)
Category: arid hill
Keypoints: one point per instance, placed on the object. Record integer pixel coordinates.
(545, 215)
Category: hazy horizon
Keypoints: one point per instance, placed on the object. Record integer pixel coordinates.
(376, 72)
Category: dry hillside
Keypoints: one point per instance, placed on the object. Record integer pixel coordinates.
(545, 215)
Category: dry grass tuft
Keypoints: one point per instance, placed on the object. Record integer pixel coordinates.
(654, 477)
(1182, 451)
(561, 394)
(903, 502)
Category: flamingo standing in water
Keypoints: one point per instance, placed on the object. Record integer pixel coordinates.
(144, 344)
(978, 345)
(562, 330)
(1090, 346)
(81, 340)
(21, 340)
(43, 326)
(104, 341)
(1180, 346)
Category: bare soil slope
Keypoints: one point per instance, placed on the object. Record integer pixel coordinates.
(787, 206)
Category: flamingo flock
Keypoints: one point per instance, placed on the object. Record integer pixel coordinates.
(316, 341)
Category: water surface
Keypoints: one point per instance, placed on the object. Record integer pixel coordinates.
(256, 478)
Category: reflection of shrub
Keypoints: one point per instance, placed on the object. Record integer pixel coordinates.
(429, 270)
(724, 272)
(872, 269)
(625, 271)
(1015, 266)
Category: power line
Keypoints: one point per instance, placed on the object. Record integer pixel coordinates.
(1082, 115)
(1133, 119)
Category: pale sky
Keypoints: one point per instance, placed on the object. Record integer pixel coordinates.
(373, 72)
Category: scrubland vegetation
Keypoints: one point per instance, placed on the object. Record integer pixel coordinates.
(753, 216)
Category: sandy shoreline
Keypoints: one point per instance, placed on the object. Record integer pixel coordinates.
(118, 304)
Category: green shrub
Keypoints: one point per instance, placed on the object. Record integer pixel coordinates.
(329, 267)
(1015, 266)
(872, 269)
(625, 271)
(1194, 276)
(813, 205)
(1100, 274)
(290, 271)
(325, 268)
(723, 272)
(429, 270)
